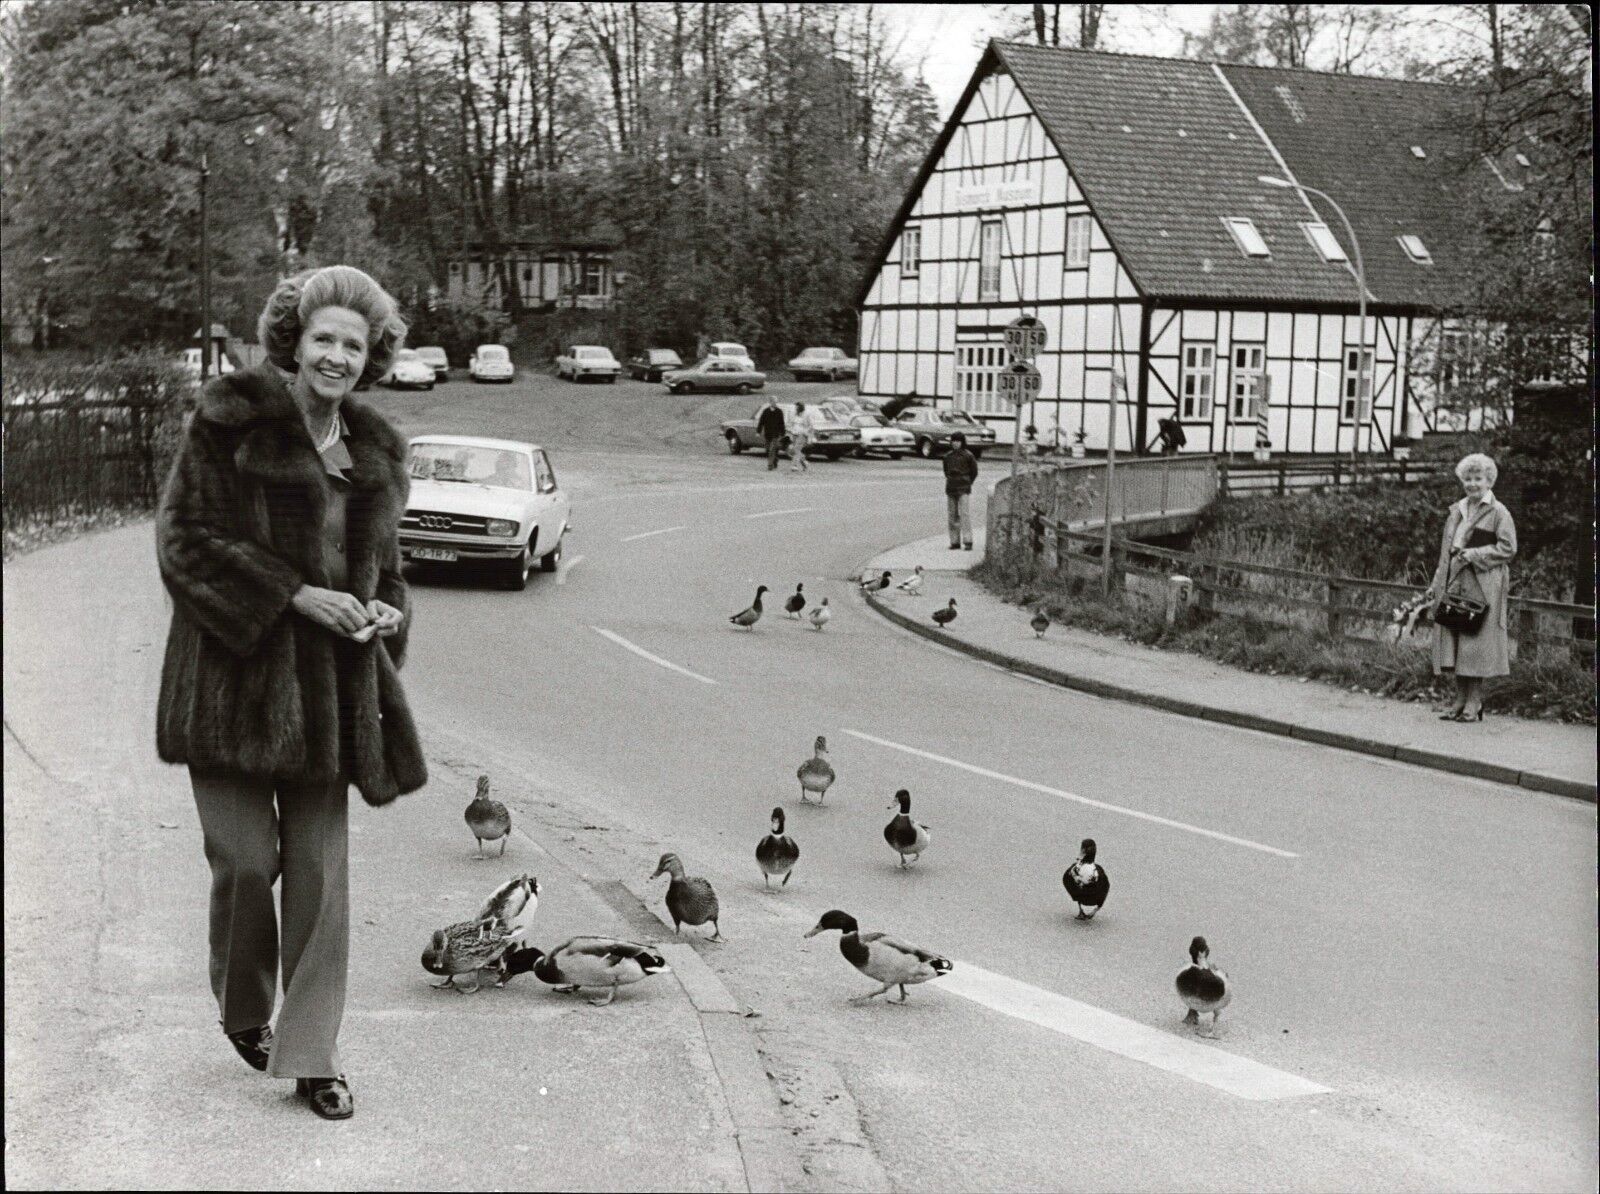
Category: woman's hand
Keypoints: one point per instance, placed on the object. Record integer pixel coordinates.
(330, 608)
(385, 617)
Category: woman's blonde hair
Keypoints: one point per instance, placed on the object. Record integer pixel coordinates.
(1480, 462)
(297, 298)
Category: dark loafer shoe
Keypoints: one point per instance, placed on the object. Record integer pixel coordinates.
(254, 1045)
(329, 1097)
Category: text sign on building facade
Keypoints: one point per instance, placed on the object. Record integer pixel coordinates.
(997, 194)
(1019, 381)
(1025, 337)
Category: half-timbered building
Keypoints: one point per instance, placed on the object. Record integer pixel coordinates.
(1120, 199)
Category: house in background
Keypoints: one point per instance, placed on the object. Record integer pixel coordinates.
(1119, 199)
(550, 273)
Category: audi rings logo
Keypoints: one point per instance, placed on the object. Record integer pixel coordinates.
(436, 522)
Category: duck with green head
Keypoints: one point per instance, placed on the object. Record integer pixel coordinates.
(880, 957)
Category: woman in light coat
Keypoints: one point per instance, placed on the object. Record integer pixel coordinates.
(1475, 554)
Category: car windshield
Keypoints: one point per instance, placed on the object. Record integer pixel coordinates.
(407, 354)
(499, 467)
(728, 350)
(956, 416)
(431, 354)
(869, 421)
(818, 352)
(493, 352)
(593, 354)
(663, 356)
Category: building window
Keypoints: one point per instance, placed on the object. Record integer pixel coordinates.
(989, 262)
(1452, 359)
(1418, 152)
(1248, 363)
(1246, 236)
(1324, 242)
(1415, 249)
(1355, 386)
(977, 367)
(1078, 242)
(1199, 375)
(594, 278)
(910, 252)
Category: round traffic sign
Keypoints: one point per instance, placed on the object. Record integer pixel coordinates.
(1026, 337)
(1018, 381)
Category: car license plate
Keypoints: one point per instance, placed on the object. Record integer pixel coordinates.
(443, 555)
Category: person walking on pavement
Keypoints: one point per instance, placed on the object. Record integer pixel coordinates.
(277, 537)
(769, 425)
(960, 471)
(799, 437)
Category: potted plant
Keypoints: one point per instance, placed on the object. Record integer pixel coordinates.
(1079, 451)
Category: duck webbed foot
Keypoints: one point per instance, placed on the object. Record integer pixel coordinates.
(1192, 1018)
(606, 1002)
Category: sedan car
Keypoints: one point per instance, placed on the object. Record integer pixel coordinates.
(727, 350)
(878, 435)
(436, 357)
(713, 374)
(491, 362)
(825, 364)
(932, 430)
(190, 362)
(830, 438)
(410, 371)
(491, 502)
(588, 360)
(650, 364)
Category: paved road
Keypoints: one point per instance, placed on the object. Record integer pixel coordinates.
(1420, 945)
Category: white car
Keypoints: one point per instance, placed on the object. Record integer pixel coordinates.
(483, 501)
(190, 362)
(828, 364)
(410, 371)
(880, 435)
(726, 350)
(491, 362)
(588, 360)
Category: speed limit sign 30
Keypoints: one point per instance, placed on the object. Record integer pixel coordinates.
(1025, 337)
(1019, 381)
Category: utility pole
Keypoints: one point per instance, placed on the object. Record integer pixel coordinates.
(205, 276)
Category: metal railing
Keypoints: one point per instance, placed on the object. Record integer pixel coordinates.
(1075, 494)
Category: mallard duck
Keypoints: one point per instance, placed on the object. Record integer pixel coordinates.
(911, 586)
(880, 957)
(1040, 622)
(588, 962)
(749, 617)
(512, 906)
(875, 585)
(905, 835)
(488, 819)
(690, 901)
(776, 853)
(796, 602)
(820, 614)
(1086, 881)
(946, 615)
(816, 773)
(1202, 986)
(465, 948)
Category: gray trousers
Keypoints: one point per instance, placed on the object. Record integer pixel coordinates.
(252, 839)
(960, 512)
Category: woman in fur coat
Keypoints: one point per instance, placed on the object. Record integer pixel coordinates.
(277, 537)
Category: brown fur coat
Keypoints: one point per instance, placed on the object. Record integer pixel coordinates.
(247, 684)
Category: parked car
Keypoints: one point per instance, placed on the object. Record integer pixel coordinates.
(848, 406)
(878, 435)
(713, 374)
(932, 430)
(491, 362)
(491, 502)
(828, 364)
(830, 438)
(726, 350)
(409, 371)
(435, 356)
(588, 360)
(190, 361)
(650, 364)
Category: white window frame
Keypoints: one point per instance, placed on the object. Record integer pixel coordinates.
(911, 251)
(990, 233)
(1249, 363)
(1247, 236)
(1355, 390)
(1324, 241)
(1077, 250)
(977, 372)
(592, 278)
(1413, 247)
(1197, 380)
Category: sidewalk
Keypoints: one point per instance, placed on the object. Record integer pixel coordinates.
(1542, 755)
(117, 1074)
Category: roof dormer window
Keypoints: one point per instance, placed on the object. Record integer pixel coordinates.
(1418, 152)
(1504, 181)
(1415, 249)
(1522, 160)
(1246, 236)
(1324, 242)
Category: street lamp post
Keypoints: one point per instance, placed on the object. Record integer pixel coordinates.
(1361, 301)
(205, 276)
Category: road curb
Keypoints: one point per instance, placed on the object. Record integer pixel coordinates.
(1532, 780)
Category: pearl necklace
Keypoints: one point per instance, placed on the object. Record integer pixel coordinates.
(332, 437)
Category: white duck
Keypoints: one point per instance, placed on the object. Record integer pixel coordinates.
(911, 586)
(820, 615)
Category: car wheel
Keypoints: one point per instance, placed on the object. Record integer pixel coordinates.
(734, 446)
(860, 453)
(612, 380)
(835, 455)
(552, 559)
(925, 448)
(743, 387)
(516, 576)
(681, 388)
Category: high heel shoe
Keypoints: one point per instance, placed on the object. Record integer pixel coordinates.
(1453, 715)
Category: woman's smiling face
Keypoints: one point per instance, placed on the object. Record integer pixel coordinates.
(1474, 482)
(332, 352)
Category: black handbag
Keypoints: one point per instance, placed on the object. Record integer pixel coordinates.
(1456, 612)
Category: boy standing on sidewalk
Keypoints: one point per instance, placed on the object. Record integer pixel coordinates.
(960, 471)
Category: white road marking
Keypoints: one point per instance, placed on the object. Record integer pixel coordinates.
(643, 654)
(775, 513)
(648, 534)
(1191, 1059)
(561, 577)
(1064, 795)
